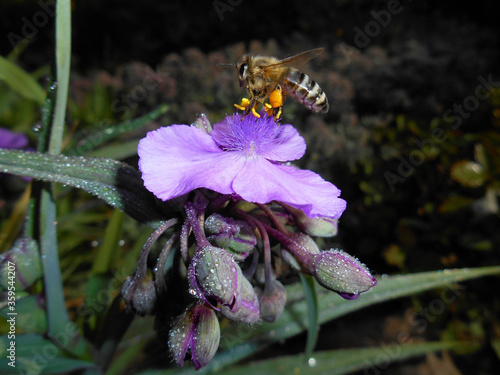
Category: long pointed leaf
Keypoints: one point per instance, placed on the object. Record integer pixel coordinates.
(119, 184)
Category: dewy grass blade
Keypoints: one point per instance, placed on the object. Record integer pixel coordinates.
(91, 142)
(312, 312)
(57, 315)
(118, 184)
(63, 62)
(344, 361)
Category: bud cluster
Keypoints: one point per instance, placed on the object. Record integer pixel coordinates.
(218, 263)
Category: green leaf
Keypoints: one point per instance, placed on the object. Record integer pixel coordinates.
(312, 312)
(118, 184)
(338, 362)
(31, 317)
(37, 355)
(118, 151)
(20, 81)
(98, 137)
(63, 65)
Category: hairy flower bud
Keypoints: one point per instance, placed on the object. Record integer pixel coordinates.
(233, 235)
(304, 241)
(272, 302)
(249, 310)
(321, 226)
(139, 294)
(198, 331)
(342, 273)
(214, 277)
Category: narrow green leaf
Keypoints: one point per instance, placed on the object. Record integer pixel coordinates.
(20, 81)
(31, 353)
(338, 362)
(104, 260)
(63, 65)
(118, 184)
(312, 312)
(118, 151)
(90, 142)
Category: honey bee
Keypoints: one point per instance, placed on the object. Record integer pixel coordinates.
(267, 77)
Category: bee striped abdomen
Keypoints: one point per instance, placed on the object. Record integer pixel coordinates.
(306, 91)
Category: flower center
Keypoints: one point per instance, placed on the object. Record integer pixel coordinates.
(248, 135)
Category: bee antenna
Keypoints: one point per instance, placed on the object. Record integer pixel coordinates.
(226, 64)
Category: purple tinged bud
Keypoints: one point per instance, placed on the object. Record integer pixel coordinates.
(272, 301)
(249, 310)
(24, 259)
(317, 226)
(139, 294)
(198, 331)
(233, 235)
(214, 278)
(305, 242)
(342, 273)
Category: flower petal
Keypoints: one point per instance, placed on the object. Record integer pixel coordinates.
(262, 182)
(177, 159)
(11, 140)
(289, 145)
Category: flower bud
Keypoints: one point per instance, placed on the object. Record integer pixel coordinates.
(272, 301)
(198, 331)
(214, 278)
(233, 235)
(249, 310)
(24, 259)
(316, 226)
(342, 273)
(305, 242)
(139, 294)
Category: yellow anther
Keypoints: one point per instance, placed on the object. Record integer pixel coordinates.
(254, 112)
(244, 104)
(268, 108)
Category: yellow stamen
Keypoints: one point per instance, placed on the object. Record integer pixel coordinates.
(254, 112)
(244, 104)
(268, 108)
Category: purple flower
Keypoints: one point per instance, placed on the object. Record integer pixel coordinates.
(242, 156)
(11, 140)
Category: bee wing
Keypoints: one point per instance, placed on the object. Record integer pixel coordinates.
(296, 60)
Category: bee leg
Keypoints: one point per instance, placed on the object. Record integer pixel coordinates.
(277, 113)
(251, 108)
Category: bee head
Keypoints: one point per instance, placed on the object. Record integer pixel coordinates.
(242, 67)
